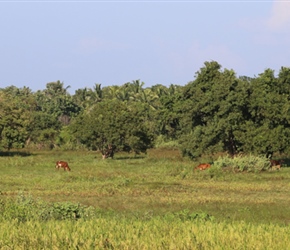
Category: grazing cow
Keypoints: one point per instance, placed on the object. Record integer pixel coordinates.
(202, 166)
(62, 164)
(276, 164)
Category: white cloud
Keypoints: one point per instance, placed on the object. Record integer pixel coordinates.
(273, 29)
(280, 16)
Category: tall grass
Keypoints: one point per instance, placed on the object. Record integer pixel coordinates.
(155, 233)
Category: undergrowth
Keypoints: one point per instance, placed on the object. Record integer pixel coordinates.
(26, 208)
(241, 163)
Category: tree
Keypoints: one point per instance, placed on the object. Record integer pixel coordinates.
(167, 115)
(227, 114)
(266, 129)
(55, 100)
(44, 130)
(212, 107)
(16, 111)
(55, 109)
(82, 98)
(113, 122)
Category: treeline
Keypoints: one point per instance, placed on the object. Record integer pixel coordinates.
(216, 112)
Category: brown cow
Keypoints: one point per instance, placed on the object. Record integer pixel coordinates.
(276, 164)
(62, 164)
(202, 166)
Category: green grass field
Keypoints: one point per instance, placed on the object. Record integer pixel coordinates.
(153, 201)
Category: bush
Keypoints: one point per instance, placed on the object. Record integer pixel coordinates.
(162, 142)
(21, 209)
(66, 211)
(25, 208)
(240, 163)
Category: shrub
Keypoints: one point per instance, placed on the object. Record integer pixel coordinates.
(21, 209)
(240, 163)
(66, 211)
(25, 208)
(162, 142)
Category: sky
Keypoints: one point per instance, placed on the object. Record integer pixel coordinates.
(81, 43)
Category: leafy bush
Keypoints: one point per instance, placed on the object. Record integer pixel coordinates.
(162, 142)
(240, 163)
(25, 208)
(62, 211)
(21, 209)
(215, 172)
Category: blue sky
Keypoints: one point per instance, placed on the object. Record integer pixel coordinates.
(84, 42)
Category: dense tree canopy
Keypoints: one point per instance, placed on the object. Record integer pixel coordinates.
(123, 124)
(17, 107)
(214, 105)
(215, 112)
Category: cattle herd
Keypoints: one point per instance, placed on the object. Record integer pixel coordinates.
(109, 152)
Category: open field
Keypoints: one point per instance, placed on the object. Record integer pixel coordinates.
(154, 200)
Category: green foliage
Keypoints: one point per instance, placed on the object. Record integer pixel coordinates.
(16, 109)
(124, 125)
(22, 209)
(44, 130)
(240, 163)
(167, 115)
(25, 208)
(266, 129)
(216, 112)
(66, 140)
(214, 102)
(56, 101)
(162, 142)
(64, 211)
(226, 114)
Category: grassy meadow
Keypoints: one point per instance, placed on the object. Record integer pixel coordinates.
(153, 201)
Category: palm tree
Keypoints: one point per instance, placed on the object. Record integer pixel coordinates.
(98, 92)
(56, 89)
